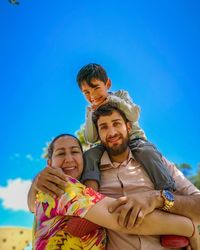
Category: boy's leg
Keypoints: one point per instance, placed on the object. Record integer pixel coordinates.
(151, 159)
(92, 159)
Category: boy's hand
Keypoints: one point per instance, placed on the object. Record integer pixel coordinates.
(51, 181)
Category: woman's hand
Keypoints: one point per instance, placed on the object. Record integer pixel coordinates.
(195, 239)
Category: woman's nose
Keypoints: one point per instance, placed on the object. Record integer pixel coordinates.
(68, 158)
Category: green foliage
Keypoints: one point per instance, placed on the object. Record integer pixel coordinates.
(80, 136)
(196, 178)
(183, 166)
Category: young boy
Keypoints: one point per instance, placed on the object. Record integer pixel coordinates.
(94, 84)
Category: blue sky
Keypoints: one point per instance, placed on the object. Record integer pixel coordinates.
(150, 48)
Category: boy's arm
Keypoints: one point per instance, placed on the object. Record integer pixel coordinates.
(90, 131)
(125, 103)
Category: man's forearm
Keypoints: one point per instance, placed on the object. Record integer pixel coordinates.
(187, 206)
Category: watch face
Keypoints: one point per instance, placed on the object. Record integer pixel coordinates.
(169, 196)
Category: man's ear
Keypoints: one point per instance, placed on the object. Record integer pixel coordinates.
(129, 127)
(108, 83)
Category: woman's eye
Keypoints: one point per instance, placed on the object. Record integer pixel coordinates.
(75, 152)
(60, 154)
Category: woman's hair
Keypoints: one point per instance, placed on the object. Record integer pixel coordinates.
(51, 145)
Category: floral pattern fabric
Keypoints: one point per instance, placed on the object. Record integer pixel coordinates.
(53, 217)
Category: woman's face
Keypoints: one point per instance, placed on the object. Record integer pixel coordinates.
(67, 155)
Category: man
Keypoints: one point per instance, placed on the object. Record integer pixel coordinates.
(122, 177)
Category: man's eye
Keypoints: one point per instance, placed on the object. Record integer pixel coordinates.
(103, 128)
(116, 124)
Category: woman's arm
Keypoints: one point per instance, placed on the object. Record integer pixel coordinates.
(156, 223)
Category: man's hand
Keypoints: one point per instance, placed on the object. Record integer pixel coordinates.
(134, 208)
(51, 181)
(194, 240)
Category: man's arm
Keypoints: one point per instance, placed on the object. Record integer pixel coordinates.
(51, 181)
(138, 205)
(134, 208)
(188, 206)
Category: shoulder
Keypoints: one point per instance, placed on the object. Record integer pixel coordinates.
(184, 186)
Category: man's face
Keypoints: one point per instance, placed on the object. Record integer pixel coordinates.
(97, 94)
(113, 132)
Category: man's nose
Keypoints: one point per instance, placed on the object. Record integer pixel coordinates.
(112, 131)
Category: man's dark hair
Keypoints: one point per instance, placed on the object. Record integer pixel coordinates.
(89, 71)
(106, 110)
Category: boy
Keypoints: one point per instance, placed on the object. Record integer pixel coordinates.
(94, 84)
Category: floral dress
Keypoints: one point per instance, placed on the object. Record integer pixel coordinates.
(59, 222)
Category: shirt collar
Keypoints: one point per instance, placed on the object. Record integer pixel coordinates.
(106, 163)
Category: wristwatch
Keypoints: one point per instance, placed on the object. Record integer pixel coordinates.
(168, 198)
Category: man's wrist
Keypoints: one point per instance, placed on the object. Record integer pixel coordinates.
(168, 200)
(159, 200)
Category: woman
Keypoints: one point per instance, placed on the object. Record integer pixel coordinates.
(56, 218)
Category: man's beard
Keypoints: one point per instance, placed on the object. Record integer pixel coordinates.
(117, 150)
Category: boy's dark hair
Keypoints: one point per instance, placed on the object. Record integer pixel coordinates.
(106, 110)
(51, 145)
(89, 71)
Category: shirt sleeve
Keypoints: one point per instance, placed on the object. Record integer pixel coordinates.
(90, 131)
(76, 201)
(125, 103)
(184, 186)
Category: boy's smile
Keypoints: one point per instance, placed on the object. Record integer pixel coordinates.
(97, 93)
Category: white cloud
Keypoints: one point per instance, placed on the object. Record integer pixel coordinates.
(29, 157)
(14, 195)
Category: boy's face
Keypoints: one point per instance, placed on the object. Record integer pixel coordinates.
(97, 94)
